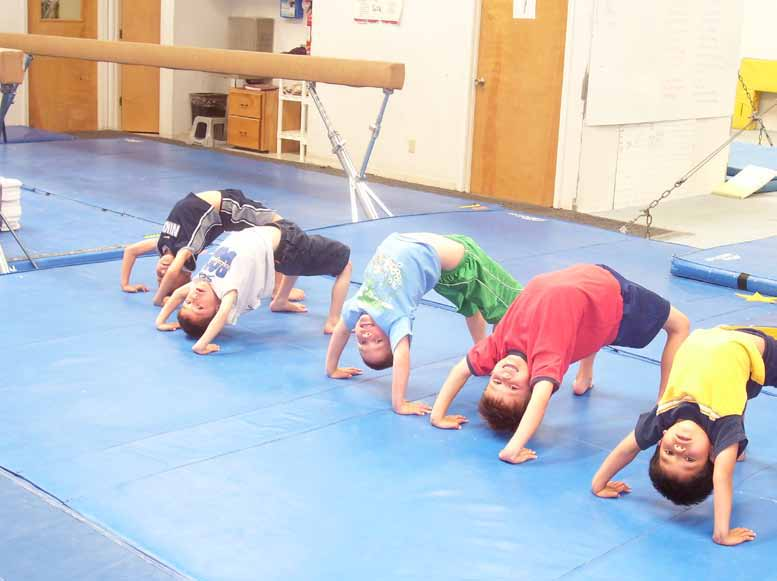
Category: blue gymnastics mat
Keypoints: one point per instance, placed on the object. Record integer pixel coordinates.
(251, 464)
(49, 541)
(748, 266)
(144, 178)
(742, 154)
(22, 134)
(100, 194)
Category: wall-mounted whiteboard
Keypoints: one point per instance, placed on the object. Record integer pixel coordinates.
(663, 60)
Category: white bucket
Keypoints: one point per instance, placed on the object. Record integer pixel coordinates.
(10, 203)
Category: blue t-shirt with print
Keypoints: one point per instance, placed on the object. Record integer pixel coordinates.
(399, 274)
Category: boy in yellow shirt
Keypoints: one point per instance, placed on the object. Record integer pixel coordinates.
(698, 423)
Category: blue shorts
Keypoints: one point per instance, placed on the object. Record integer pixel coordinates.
(644, 313)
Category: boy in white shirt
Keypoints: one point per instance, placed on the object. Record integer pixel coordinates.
(241, 273)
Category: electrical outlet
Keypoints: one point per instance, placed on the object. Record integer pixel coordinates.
(411, 145)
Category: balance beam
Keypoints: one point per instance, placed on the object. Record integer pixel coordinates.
(353, 73)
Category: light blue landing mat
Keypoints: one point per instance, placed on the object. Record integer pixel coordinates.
(748, 266)
(251, 464)
(742, 154)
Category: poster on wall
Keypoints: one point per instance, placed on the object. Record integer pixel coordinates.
(291, 8)
(386, 11)
(525, 9)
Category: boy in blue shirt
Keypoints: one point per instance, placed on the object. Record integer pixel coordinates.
(403, 269)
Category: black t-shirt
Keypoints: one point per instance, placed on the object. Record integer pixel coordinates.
(192, 224)
(722, 432)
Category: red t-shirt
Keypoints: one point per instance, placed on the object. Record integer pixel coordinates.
(559, 318)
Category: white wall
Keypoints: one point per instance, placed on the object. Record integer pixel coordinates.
(205, 23)
(433, 109)
(289, 32)
(600, 168)
(13, 18)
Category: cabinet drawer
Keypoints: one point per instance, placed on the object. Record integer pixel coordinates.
(245, 104)
(243, 132)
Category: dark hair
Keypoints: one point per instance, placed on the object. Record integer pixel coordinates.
(193, 326)
(383, 363)
(684, 492)
(500, 415)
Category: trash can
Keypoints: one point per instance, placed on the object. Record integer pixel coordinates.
(208, 104)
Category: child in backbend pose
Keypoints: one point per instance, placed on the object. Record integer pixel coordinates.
(241, 272)
(193, 224)
(698, 425)
(404, 268)
(559, 318)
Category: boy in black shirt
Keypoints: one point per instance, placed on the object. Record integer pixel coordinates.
(194, 223)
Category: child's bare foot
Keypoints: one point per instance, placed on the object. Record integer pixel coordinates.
(329, 326)
(297, 294)
(582, 385)
(287, 307)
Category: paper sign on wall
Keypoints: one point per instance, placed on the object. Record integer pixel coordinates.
(526, 9)
(388, 11)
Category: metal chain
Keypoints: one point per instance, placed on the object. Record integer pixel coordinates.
(755, 118)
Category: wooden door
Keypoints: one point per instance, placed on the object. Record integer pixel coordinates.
(518, 100)
(63, 92)
(140, 22)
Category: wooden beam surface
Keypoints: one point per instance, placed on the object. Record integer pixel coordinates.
(354, 73)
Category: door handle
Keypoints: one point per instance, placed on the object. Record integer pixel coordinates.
(480, 82)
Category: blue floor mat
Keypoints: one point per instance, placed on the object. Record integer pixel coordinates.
(132, 183)
(48, 542)
(22, 134)
(746, 266)
(251, 464)
(144, 178)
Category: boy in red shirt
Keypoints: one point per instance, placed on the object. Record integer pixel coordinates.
(559, 318)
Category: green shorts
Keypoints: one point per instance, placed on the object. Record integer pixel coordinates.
(478, 283)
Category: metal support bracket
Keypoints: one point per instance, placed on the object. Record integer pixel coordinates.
(361, 194)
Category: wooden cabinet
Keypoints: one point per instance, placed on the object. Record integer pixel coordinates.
(252, 119)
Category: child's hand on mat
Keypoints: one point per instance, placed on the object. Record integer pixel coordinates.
(168, 327)
(345, 372)
(410, 408)
(205, 350)
(450, 422)
(614, 489)
(734, 537)
(134, 288)
(512, 457)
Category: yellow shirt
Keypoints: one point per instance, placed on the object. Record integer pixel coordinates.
(712, 368)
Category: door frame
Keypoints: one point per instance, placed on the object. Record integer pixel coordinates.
(108, 88)
(577, 47)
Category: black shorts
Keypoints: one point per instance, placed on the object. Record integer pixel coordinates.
(644, 313)
(301, 254)
(238, 212)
